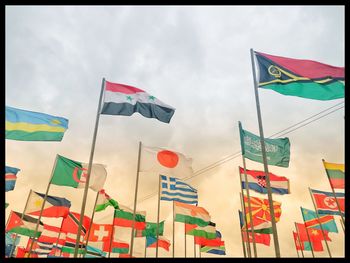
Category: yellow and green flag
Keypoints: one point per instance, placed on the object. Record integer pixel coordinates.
(336, 174)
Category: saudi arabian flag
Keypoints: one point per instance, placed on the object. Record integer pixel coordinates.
(277, 150)
(104, 200)
(72, 173)
(299, 77)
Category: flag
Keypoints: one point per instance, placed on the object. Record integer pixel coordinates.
(259, 238)
(173, 189)
(8, 249)
(93, 252)
(191, 214)
(151, 230)
(52, 234)
(315, 235)
(70, 224)
(261, 208)
(11, 239)
(305, 245)
(336, 174)
(10, 177)
(311, 220)
(162, 242)
(326, 203)
(120, 99)
(277, 150)
(302, 78)
(164, 161)
(257, 182)
(72, 173)
(104, 200)
(100, 232)
(23, 125)
(124, 217)
(39, 248)
(54, 206)
(260, 225)
(241, 219)
(6, 205)
(24, 226)
(214, 250)
(216, 242)
(208, 232)
(69, 247)
(117, 246)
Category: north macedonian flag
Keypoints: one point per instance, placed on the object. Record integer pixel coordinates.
(302, 78)
(23, 125)
(261, 208)
(120, 99)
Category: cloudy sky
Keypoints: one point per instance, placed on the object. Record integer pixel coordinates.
(196, 59)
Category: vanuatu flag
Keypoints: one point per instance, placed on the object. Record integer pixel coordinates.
(336, 174)
(23, 125)
(302, 78)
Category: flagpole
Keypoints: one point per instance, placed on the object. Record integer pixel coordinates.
(185, 237)
(145, 246)
(243, 245)
(42, 205)
(89, 170)
(92, 220)
(22, 216)
(249, 206)
(59, 234)
(246, 224)
(135, 201)
(308, 237)
(319, 222)
(158, 212)
(342, 225)
(199, 253)
(173, 229)
(111, 238)
(263, 150)
(194, 246)
(335, 197)
(301, 246)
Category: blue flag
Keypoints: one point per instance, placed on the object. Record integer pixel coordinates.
(173, 189)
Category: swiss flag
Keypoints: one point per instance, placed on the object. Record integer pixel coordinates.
(100, 232)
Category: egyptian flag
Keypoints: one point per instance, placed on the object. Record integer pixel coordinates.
(302, 78)
(120, 99)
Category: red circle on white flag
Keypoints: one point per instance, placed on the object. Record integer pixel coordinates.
(168, 159)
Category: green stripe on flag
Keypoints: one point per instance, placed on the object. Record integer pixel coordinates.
(336, 174)
(190, 220)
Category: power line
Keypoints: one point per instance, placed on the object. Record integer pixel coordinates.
(238, 153)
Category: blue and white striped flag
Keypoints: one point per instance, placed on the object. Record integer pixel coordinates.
(173, 189)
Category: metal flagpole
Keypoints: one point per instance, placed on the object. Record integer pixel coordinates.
(301, 246)
(89, 170)
(194, 246)
(335, 197)
(308, 237)
(22, 216)
(263, 150)
(319, 222)
(185, 237)
(296, 248)
(249, 206)
(199, 253)
(342, 225)
(246, 224)
(173, 229)
(42, 205)
(111, 238)
(135, 201)
(158, 216)
(243, 243)
(92, 220)
(145, 246)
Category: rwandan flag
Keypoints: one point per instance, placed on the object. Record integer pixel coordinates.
(23, 125)
(302, 78)
(120, 99)
(10, 177)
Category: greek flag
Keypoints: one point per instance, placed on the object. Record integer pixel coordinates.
(173, 189)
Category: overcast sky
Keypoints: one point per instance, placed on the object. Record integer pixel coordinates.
(196, 59)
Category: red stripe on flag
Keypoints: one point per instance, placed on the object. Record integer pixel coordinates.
(121, 88)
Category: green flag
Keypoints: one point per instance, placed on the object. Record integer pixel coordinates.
(150, 230)
(277, 150)
(71, 173)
